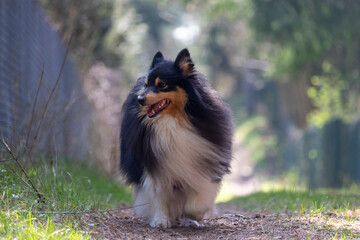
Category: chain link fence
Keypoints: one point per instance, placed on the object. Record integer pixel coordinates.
(29, 46)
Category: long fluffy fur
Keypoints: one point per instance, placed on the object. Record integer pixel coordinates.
(176, 159)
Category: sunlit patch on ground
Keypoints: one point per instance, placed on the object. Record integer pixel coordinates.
(342, 226)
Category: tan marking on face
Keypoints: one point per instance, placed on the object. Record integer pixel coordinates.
(146, 82)
(177, 106)
(158, 81)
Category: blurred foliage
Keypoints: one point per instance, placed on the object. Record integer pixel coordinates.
(332, 97)
(296, 36)
(102, 30)
(254, 132)
(150, 12)
(307, 35)
(87, 22)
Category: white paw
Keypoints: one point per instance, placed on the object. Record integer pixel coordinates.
(160, 223)
(185, 222)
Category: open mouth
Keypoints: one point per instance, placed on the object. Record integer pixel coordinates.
(156, 108)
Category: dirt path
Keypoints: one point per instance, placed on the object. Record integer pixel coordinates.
(226, 224)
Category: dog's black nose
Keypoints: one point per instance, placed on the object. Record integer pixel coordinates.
(141, 100)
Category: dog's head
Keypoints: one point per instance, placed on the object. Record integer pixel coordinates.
(162, 92)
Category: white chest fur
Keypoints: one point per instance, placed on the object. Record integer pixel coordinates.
(181, 152)
(183, 156)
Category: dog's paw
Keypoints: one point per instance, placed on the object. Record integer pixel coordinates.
(160, 223)
(185, 222)
(195, 215)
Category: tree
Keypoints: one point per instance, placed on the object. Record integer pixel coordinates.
(308, 35)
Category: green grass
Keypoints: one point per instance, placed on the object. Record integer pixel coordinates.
(76, 187)
(301, 201)
(17, 225)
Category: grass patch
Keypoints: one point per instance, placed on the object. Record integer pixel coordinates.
(301, 201)
(15, 225)
(71, 187)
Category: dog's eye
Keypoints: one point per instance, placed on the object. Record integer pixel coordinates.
(161, 85)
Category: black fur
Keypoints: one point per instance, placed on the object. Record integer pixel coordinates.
(157, 58)
(207, 112)
(136, 153)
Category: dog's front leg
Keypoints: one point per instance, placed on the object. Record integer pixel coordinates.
(201, 200)
(150, 202)
(160, 217)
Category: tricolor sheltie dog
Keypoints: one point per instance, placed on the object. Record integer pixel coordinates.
(176, 137)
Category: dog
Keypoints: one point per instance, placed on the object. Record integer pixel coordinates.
(176, 139)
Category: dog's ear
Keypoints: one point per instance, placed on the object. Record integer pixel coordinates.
(157, 58)
(184, 62)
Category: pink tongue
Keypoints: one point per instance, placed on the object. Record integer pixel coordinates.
(149, 111)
